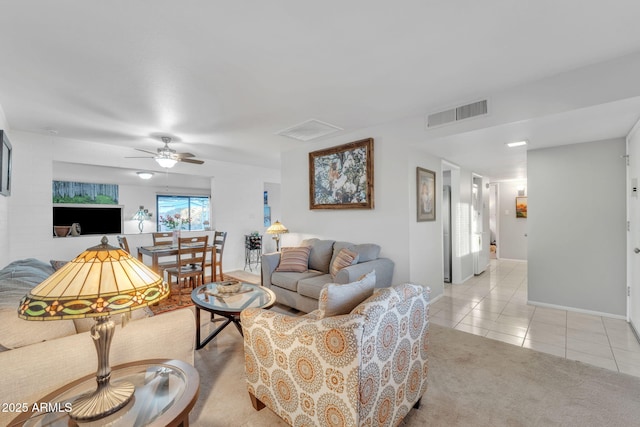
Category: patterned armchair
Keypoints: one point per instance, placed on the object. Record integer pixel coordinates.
(366, 368)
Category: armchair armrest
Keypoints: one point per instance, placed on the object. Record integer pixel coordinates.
(270, 262)
(382, 266)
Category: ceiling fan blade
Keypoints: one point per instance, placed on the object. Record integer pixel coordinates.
(145, 151)
(195, 161)
(183, 155)
(138, 157)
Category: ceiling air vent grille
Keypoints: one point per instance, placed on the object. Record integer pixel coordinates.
(456, 114)
(308, 130)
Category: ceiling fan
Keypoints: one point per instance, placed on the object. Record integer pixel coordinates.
(167, 157)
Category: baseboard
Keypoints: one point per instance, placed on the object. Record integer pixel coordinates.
(577, 310)
(512, 259)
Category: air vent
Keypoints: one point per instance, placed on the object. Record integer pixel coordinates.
(456, 114)
(308, 130)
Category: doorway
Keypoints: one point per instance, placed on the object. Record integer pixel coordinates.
(446, 224)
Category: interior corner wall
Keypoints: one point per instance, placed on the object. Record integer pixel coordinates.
(577, 227)
(512, 236)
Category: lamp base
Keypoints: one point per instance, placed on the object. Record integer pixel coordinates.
(106, 400)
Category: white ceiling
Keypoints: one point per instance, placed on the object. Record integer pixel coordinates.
(224, 77)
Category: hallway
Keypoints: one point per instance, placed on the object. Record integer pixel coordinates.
(494, 305)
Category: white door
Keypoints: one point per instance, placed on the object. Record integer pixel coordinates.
(633, 235)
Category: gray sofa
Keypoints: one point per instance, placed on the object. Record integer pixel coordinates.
(302, 290)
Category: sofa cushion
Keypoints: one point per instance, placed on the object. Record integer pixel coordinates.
(288, 280)
(312, 286)
(345, 258)
(16, 332)
(294, 259)
(321, 253)
(367, 251)
(338, 299)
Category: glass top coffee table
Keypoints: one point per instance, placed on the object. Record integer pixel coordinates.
(166, 391)
(228, 305)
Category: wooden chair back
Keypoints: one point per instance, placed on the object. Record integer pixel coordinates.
(162, 238)
(122, 241)
(217, 249)
(192, 252)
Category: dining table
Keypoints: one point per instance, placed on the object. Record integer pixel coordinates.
(159, 251)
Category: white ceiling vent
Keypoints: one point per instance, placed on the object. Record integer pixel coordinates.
(308, 130)
(456, 114)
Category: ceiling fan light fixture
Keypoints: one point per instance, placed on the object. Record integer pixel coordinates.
(145, 175)
(166, 162)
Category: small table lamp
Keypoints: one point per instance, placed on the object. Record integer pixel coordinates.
(277, 229)
(101, 281)
(141, 216)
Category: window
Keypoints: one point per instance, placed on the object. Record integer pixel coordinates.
(183, 213)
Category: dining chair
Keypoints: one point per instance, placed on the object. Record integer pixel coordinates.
(215, 262)
(122, 241)
(189, 269)
(162, 238)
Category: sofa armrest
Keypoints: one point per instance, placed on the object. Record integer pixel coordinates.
(270, 262)
(382, 266)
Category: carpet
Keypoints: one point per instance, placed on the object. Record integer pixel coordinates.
(473, 381)
(173, 302)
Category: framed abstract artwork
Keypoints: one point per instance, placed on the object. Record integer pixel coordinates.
(342, 177)
(425, 194)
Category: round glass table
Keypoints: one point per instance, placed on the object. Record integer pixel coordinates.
(228, 305)
(166, 391)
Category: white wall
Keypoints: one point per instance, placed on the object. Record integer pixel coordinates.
(416, 248)
(512, 241)
(577, 227)
(236, 198)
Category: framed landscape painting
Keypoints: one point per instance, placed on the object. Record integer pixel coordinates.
(426, 194)
(521, 207)
(342, 177)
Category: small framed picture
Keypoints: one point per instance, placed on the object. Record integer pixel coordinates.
(5, 165)
(521, 207)
(426, 194)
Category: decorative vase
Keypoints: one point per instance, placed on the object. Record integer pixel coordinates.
(61, 230)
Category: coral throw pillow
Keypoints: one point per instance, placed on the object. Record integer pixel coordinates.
(294, 259)
(345, 258)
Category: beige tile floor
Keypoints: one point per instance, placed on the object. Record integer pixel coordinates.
(494, 305)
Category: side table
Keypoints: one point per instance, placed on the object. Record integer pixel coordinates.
(166, 391)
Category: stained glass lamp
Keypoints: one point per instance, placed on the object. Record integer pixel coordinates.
(101, 281)
(277, 228)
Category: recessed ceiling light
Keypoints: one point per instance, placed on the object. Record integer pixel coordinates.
(516, 144)
(145, 175)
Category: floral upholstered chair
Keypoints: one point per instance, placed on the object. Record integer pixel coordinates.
(364, 368)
